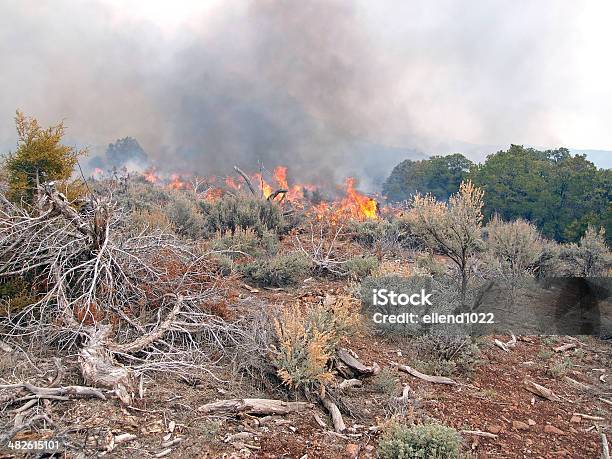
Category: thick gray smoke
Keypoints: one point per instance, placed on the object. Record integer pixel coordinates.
(324, 87)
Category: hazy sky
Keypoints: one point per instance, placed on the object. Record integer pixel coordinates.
(221, 81)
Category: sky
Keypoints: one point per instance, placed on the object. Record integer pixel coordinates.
(207, 84)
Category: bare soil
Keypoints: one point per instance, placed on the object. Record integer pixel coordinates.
(490, 399)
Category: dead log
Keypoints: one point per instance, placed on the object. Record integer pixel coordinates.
(254, 406)
(149, 338)
(246, 179)
(335, 414)
(565, 347)
(66, 392)
(100, 369)
(605, 449)
(578, 384)
(407, 395)
(355, 365)
(423, 376)
(542, 391)
(478, 433)
(349, 383)
(589, 417)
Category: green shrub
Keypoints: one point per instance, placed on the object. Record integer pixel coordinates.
(591, 257)
(560, 369)
(385, 381)
(382, 234)
(444, 354)
(231, 213)
(140, 195)
(15, 294)
(280, 270)
(246, 241)
(185, 216)
(427, 441)
(360, 267)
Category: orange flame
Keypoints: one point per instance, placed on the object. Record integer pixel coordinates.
(233, 184)
(266, 189)
(359, 206)
(176, 183)
(151, 176)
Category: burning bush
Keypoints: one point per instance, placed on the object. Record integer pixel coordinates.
(432, 441)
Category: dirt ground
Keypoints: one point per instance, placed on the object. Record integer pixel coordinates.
(492, 398)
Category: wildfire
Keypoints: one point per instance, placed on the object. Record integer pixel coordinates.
(353, 205)
(266, 190)
(176, 183)
(295, 193)
(358, 205)
(150, 175)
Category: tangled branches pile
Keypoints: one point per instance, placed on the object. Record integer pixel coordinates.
(111, 291)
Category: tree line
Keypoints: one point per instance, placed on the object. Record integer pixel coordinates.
(562, 194)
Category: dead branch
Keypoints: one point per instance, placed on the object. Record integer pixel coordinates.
(246, 179)
(542, 391)
(478, 433)
(321, 248)
(254, 406)
(335, 414)
(507, 345)
(275, 194)
(407, 395)
(350, 361)
(349, 383)
(99, 368)
(149, 338)
(49, 392)
(565, 347)
(424, 377)
(605, 449)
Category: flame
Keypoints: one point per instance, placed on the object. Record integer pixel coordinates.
(295, 193)
(358, 205)
(353, 205)
(176, 183)
(233, 184)
(266, 189)
(150, 175)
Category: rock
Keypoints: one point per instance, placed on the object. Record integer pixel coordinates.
(495, 429)
(576, 419)
(553, 430)
(531, 422)
(351, 451)
(519, 425)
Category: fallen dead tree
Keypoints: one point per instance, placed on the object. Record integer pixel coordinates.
(129, 301)
(254, 406)
(360, 370)
(423, 376)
